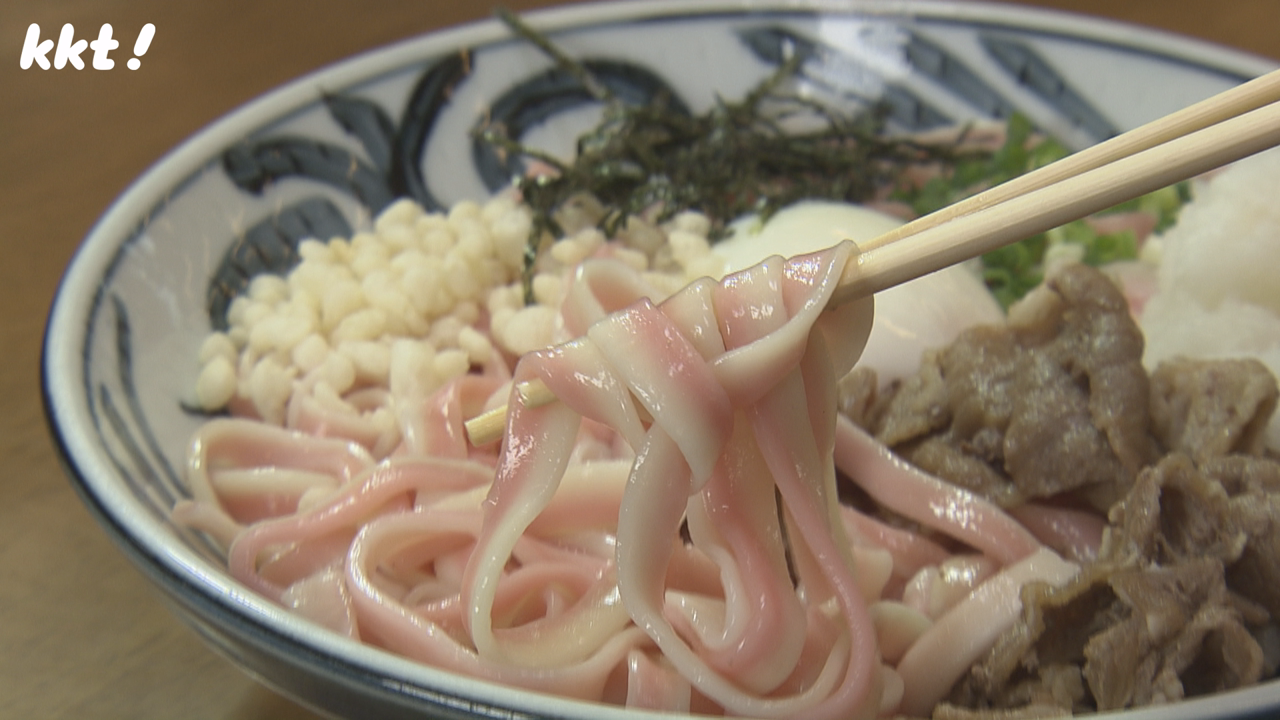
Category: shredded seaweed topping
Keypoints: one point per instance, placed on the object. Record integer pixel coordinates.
(754, 155)
(774, 147)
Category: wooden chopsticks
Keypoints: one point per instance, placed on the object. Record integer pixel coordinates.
(1227, 127)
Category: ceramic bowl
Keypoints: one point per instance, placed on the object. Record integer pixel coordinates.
(322, 155)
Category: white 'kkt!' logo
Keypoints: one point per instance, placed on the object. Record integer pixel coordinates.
(35, 51)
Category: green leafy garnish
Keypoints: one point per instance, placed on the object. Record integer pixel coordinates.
(974, 171)
(1012, 271)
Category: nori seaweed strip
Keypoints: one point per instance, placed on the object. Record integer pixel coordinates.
(657, 159)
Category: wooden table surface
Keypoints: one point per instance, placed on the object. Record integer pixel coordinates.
(82, 635)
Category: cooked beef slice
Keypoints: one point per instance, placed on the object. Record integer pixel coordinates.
(1253, 484)
(1119, 637)
(1038, 661)
(1175, 512)
(858, 397)
(1184, 596)
(947, 711)
(1054, 400)
(1100, 344)
(964, 465)
(1243, 473)
(1256, 575)
(1182, 600)
(1208, 408)
(1227, 508)
(1180, 619)
(1053, 443)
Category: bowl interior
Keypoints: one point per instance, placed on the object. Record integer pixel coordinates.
(322, 156)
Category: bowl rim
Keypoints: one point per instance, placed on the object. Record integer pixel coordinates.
(188, 576)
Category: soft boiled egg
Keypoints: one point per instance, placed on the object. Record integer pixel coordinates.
(924, 313)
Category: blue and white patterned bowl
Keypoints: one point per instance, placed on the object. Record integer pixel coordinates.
(321, 155)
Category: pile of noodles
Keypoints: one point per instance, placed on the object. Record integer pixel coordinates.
(666, 535)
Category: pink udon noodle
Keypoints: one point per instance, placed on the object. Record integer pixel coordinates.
(667, 535)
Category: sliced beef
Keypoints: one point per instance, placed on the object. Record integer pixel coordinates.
(1208, 408)
(947, 711)
(1243, 473)
(1254, 486)
(1180, 619)
(1226, 508)
(1038, 661)
(966, 465)
(1120, 637)
(1182, 600)
(1175, 513)
(858, 397)
(1055, 400)
(1184, 594)
(1099, 344)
